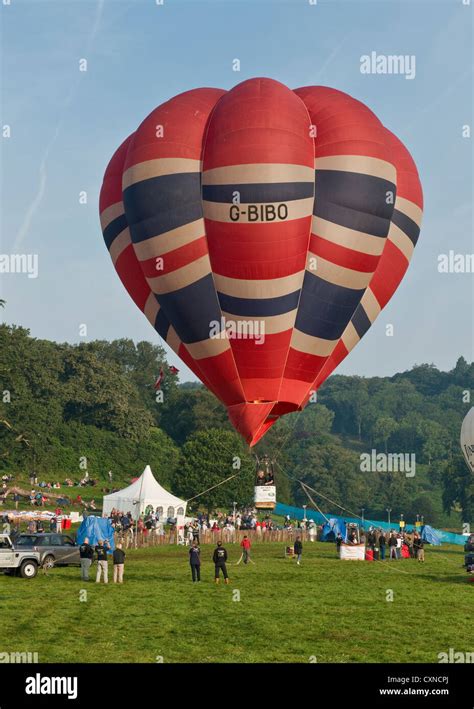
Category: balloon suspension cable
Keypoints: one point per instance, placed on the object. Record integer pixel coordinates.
(320, 494)
(214, 486)
(313, 502)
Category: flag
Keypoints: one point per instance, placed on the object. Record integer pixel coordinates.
(157, 384)
(173, 370)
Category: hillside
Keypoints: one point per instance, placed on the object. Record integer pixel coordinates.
(68, 408)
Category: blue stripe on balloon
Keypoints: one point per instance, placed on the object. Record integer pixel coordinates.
(192, 309)
(258, 192)
(325, 309)
(159, 204)
(259, 307)
(162, 324)
(113, 229)
(360, 321)
(407, 225)
(353, 200)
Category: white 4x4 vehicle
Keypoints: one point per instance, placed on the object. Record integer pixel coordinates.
(16, 561)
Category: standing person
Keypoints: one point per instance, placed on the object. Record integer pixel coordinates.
(339, 541)
(119, 564)
(245, 544)
(102, 564)
(219, 558)
(418, 545)
(195, 561)
(399, 546)
(382, 542)
(86, 554)
(392, 544)
(298, 549)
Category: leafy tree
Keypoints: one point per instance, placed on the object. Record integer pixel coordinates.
(383, 429)
(208, 458)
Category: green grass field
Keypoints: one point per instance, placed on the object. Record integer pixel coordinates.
(327, 609)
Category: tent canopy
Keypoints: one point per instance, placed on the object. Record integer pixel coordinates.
(142, 493)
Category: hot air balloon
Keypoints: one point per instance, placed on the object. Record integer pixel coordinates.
(261, 231)
(467, 438)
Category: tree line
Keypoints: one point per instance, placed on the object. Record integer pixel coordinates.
(67, 408)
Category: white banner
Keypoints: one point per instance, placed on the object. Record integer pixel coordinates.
(352, 551)
(265, 493)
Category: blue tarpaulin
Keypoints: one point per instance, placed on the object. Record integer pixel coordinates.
(299, 513)
(430, 535)
(95, 528)
(331, 528)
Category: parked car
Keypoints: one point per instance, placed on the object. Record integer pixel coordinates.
(55, 549)
(18, 561)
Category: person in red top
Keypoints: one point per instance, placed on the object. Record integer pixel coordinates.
(245, 544)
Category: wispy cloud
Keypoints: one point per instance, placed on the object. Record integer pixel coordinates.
(43, 175)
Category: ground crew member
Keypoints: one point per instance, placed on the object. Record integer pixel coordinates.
(195, 561)
(219, 558)
(119, 563)
(245, 544)
(298, 549)
(102, 565)
(86, 554)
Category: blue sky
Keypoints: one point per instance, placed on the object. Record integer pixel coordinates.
(66, 124)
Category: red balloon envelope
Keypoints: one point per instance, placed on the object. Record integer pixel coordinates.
(261, 230)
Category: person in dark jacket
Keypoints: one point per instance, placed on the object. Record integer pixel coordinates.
(195, 561)
(119, 563)
(219, 558)
(298, 549)
(371, 541)
(382, 542)
(86, 553)
(102, 566)
(418, 546)
(392, 543)
(339, 541)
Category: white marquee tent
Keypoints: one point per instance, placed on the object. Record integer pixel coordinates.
(140, 494)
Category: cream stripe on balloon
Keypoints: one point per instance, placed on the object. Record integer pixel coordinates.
(335, 274)
(257, 173)
(110, 213)
(172, 339)
(208, 348)
(410, 209)
(312, 345)
(152, 308)
(370, 304)
(181, 277)
(361, 164)
(169, 241)
(267, 288)
(350, 337)
(401, 241)
(158, 168)
(350, 238)
(119, 244)
(294, 209)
